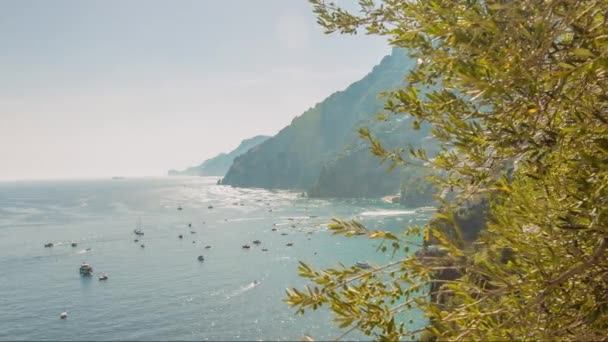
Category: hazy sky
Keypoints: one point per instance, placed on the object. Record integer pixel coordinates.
(136, 87)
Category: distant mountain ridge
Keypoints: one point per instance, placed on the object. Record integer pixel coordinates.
(293, 158)
(321, 152)
(219, 165)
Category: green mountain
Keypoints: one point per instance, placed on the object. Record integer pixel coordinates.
(219, 165)
(321, 152)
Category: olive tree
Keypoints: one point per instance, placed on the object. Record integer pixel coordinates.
(516, 93)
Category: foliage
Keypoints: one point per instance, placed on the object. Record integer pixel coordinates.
(519, 105)
(357, 173)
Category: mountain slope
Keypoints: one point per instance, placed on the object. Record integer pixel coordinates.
(294, 158)
(219, 165)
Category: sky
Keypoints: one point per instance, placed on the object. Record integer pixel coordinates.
(103, 88)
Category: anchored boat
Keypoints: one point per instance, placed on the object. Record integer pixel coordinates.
(86, 269)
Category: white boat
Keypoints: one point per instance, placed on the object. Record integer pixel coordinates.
(63, 315)
(363, 265)
(103, 276)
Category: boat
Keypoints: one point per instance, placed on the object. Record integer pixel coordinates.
(257, 242)
(74, 244)
(189, 224)
(283, 234)
(142, 245)
(103, 276)
(48, 245)
(289, 244)
(207, 247)
(180, 207)
(210, 207)
(363, 265)
(138, 230)
(86, 269)
(274, 229)
(63, 315)
(192, 232)
(136, 240)
(245, 246)
(264, 249)
(180, 236)
(201, 258)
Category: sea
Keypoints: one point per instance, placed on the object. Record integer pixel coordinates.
(157, 288)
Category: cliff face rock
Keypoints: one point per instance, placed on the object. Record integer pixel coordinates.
(219, 165)
(355, 172)
(320, 141)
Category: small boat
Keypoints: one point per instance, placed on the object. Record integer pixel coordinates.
(207, 247)
(363, 265)
(180, 236)
(63, 315)
(86, 269)
(74, 244)
(293, 226)
(142, 245)
(138, 230)
(264, 249)
(242, 204)
(48, 245)
(257, 242)
(201, 258)
(193, 241)
(245, 246)
(103, 276)
(289, 244)
(136, 240)
(210, 207)
(192, 232)
(274, 229)
(88, 249)
(269, 210)
(189, 224)
(283, 234)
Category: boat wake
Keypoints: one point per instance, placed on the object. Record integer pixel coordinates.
(244, 289)
(387, 213)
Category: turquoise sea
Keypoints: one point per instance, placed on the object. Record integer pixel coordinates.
(161, 291)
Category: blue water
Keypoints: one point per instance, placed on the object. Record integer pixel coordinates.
(162, 292)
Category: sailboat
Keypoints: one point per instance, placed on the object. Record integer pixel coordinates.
(137, 230)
